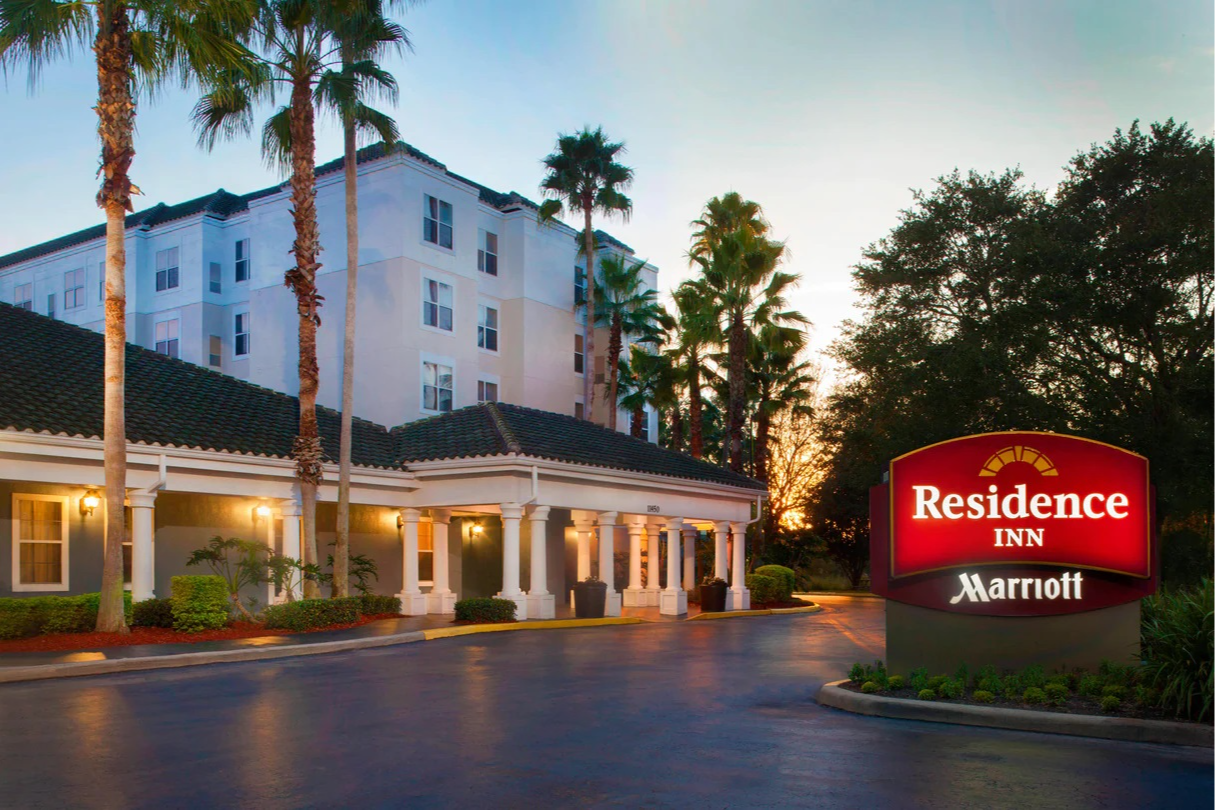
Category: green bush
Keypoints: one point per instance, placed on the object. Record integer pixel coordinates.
(1032, 676)
(1033, 696)
(309, 614)
(952, 689)
(1147, 696)
(936, 682)
(1115, 690)
(1177, 652)
(372, 604)
(896, 682)
(1055, 692)
(764, 589)
(857, 673)
(918, 679)
(983, 696)
(1109, 703)
(784, 577)
(485, 609)
(926, 694)
(199, 603)
(991, 684)
(1090, 685)
(869, 687)
(23, 617)
(152, 613)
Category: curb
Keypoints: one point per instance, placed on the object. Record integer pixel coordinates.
(746, 614)
(854, 594)
(558, 624)
(1079, 725)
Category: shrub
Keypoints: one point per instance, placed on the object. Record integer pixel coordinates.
(869, 687)
(936, 682)
(152, 613)
(857, 672)
(199, 603)
(486, 609)
(1090, 685)
(962, 674)
(764, 589)
(991, 684)
(983, 696)
(896, 682)
(918, 680)
(1033, 695)
(249, 567)
(785, 578)
(1115, 690)
(1032, 676)
(926, 694)
(372, 604)
(1109, 703)
(952, 689)
(309, 614)
(1178, 648)
(1056, 693)
(1147, 696)
(39, 615)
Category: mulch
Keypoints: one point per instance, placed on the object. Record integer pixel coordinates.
(57, 642)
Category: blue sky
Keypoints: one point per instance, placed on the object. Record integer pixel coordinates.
(827, 113)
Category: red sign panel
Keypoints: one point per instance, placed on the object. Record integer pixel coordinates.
(1017, 523)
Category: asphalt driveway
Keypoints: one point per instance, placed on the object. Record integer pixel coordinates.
(700, 714)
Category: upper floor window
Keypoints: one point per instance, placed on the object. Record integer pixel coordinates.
(167, 337)
(436, 222)
(487, 328)
(436, 307)
(216, 280)
(579, 355)
(101, 280)
(579, 410)
(486, 391)
(215, 351)
(23, 296)
(166, 269)
(579, 285)
(242, 260)
(73, 289)
(241, 341)
(487, 253)
(40, 543)
(50, 305)
(437, 387)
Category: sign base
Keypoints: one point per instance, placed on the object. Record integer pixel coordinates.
(941, 641)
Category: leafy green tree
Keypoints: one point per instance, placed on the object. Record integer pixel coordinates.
(697, 333)
(137, 46)
(628, 311)
(647, 379)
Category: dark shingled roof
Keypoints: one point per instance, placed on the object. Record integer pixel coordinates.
(51, 381)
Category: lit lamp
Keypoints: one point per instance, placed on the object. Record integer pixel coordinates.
(89, 502)
(260, 512)
(476, 529)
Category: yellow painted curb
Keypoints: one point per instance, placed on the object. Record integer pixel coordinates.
(806, 609)
(742, 614)
(558, 624)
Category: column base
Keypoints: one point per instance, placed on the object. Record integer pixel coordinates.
(541, 606)
(611, 606)
(520, 600)
(649, 597)
(412, 604)
(738, 599)
(440, 602)
(634, 597)
(673, 603)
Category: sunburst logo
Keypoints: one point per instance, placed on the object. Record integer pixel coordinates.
(1018, 453)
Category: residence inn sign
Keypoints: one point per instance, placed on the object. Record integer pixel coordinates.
(1016, 524)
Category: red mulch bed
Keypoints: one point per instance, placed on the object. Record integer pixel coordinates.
(161, 635)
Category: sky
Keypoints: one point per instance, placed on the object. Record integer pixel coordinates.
(828, 114)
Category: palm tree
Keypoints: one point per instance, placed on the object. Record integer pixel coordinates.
(298, 43)
(583, 176)
(698, 332)
(346, 90)
(627, 311)
(137, 45)
(724, 215)
(648, 379)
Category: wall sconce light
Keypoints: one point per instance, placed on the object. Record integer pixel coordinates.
(476, 530)
(261, 512)
(400, 521)
(89, 502)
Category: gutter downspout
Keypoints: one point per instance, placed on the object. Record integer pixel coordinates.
(161, 479)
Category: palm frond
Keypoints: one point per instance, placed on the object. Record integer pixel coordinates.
(37, 32)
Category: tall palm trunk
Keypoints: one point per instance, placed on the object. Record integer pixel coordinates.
(696, 440)
(637, 423)
(738, 370)
(116, 126)
(615, 338)
(588, 381)
(763, 429)
(301, 279)
(676, 428)
(341, 551)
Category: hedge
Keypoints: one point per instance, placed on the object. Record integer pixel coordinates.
(152, 613)
(199, 603)
(764, 589)
(486, 609)
(38, 615)
(309, 614)
(373, 604)
(783, 575)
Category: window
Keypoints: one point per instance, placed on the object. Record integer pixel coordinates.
(128, 553)
(487, 328)
(426, 553)
(436, 308)
(487, 253)
(486, 391)
(167, 337)
(579, 286)
(101, 280)
(579, 355)
(166, 270)
(215, 353)
(50, 305)
(73, 289)
(40, 543)
(436, 387)
(242, 260)
(436, 222)
(579, 410)
(216, 280)
(242, 334)
(645, 425)
(23, 295)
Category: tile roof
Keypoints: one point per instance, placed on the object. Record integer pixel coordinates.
(51, 382)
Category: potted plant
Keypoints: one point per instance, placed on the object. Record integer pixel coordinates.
(712, 595)
(590, 597)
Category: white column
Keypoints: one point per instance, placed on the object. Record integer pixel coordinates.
(674, 599)
(413, 601)
(607, 562)
(143, 560)
(290, 510)
(653, 547)
(267, 521)
(634, 594)
(441, 599)
(721, 563)
(511, 514)
(740, 597)
(540, 603)
(583, 528)
(689, 558)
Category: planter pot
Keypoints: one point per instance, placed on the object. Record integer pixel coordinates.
(713, 598)
(590, 599)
